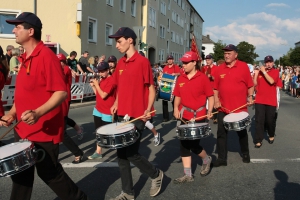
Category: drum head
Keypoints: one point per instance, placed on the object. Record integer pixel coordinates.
(235, 117)
(111, 129)
(192, 125)
(13, 148)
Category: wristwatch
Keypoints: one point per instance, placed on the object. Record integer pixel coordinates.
(264, 72)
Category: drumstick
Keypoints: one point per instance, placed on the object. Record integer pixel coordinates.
(134, 120)
(240, 107)
(204, 116)
(182, 120)
(11, 128)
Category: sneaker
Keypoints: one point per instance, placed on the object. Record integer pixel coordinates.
(123, 196)
(219, 163)
(205, 168)
(80, 135)
(156, 140)
(246, 158)
(95, 156)
(184, 179)
(156, 184)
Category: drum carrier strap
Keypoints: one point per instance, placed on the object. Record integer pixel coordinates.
(190, 110)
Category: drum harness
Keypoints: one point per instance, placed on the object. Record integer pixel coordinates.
(190, 110)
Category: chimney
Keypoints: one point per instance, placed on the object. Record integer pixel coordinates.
(207, 37)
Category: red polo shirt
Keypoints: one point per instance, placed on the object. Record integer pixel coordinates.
(39, 77)
(212, 71)
(204, 69)
(233, 84)
(133, 78)
(193, 93)
(267, 93)
(104, 105)
(171, 69)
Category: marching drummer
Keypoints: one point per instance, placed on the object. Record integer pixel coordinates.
(233, 86)
(191, 91)
(105, 97)
(173, 70)
(135, 97)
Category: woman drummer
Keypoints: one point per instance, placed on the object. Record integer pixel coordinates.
(191, 91)
(105, 97)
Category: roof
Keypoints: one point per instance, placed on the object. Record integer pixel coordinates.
(206, 40)
(195, 10)
(297, 43)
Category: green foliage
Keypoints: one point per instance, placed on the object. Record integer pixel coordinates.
(218, 52)
(295, 56)
(246, 52)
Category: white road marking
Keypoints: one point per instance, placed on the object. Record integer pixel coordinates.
(94, 165)
(262, 160)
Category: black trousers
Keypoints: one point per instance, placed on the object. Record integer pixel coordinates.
(222, 139)
(264, 114)
(130, 154)
(166, 109)
(50, 171)
(70, 144)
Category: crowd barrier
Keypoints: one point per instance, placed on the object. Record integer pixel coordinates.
(80, 88)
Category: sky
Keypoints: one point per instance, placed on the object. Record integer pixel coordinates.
(273, 27)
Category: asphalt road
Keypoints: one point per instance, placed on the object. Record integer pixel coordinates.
(272, 174)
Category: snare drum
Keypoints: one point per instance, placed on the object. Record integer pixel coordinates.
(166, 87)
(110, 136)
(236, 121)
(17, 157)
(193, 131)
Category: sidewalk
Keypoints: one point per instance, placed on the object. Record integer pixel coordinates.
(78, 104)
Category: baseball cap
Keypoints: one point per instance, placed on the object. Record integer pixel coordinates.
(61, 57)
(189, 56)
(269, 58)
(124, 32)
(208, 56)
(112, 59)
(230, 47)
(170, 57)
(27, 17)
(102, 66)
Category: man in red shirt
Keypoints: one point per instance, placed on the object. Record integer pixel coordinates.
(173, 70)
(135, 97)
(266, 80)
(210, 71)
(233, 85)
(40, 91)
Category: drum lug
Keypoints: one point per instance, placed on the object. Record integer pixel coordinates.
(15, 164)
(124, 139)
(1, 169)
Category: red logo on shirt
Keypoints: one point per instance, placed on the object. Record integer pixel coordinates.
(222, 75)
(181, 84)
(120, 72)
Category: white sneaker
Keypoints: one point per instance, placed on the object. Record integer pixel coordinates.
(156, 140)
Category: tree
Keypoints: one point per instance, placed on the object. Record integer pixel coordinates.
(295, 56)
(218, 52)
(246, 52)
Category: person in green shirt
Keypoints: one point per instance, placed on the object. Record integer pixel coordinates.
(14, 62)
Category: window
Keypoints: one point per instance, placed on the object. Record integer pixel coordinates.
(183, 5)
(177, 38)
(133, 8)
(168, 25)
(169, 4)
(162, 31)
(5, 28)
(110, 2)
(173, 16)
(161, 55)
(172, 36)
(181, 40)
(152, 18)
(179, 2)
(92, 34)
(189, 11)
(108, 31)
(167, 46)
(163, 8)
(122, 5)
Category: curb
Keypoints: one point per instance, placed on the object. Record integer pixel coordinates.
(80, 105)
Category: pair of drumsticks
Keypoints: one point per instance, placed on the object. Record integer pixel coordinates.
(214, 113)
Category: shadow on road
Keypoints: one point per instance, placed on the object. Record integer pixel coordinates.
(284, 189)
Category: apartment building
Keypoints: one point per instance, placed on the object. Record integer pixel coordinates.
(80, 25)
